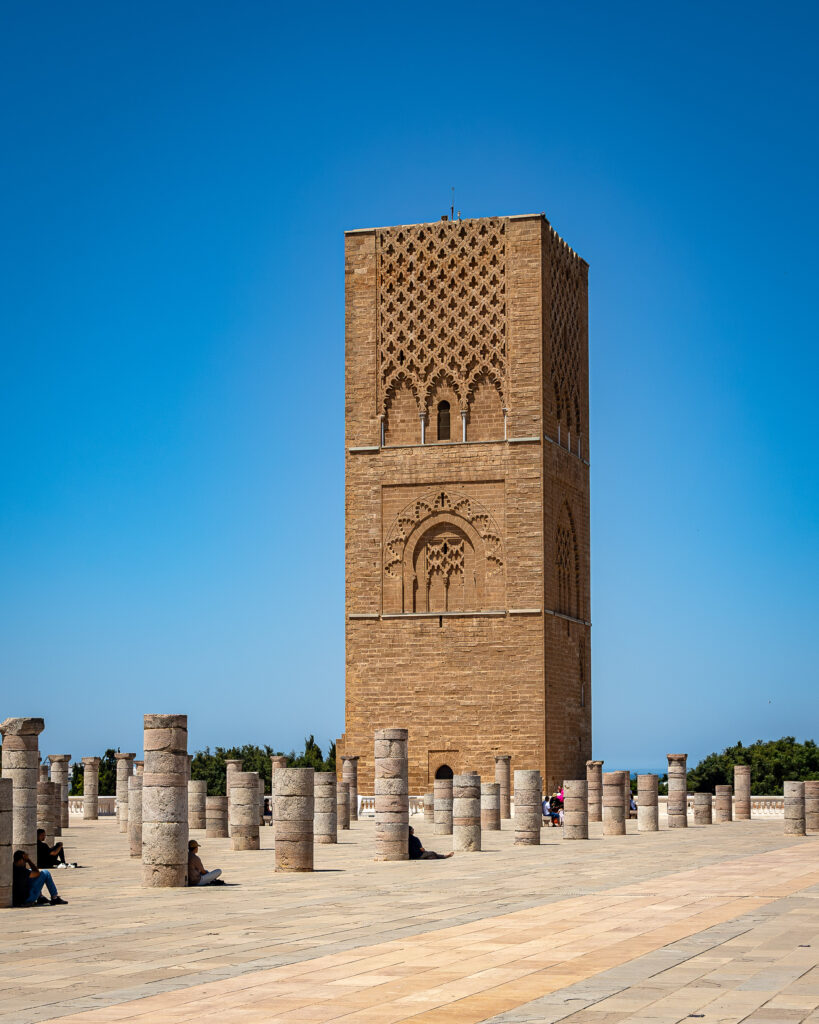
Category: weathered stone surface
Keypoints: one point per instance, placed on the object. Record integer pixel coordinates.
(575, 809)
(349, 773)
(723, 804)
(343, 805)
(165, 801)
(466, 813)
(742, 792)
(794, 808)
(45, 810)
(812, 805)
(503, 777)
(391, 800)
(135, 815)
(442, 795)
(325, 811)
(490, 807)
(125, 769)
(677, 791)
(243, 811)
(20, 762)
(429, 807)
(703, 808)
(216, 817)
(648, 810)
(60, 772)
(528, 810)
(6, 840)
(197, 795)
(614, 820)
(56, 808)
(90, 788)
(293, 813)
(594, 781)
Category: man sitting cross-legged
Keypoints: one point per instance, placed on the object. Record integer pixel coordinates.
(28, 882)
(50, 856)
(196, 869)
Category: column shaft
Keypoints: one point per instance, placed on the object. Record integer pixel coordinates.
(575, 809)
(795, 809)
(594, 780)
(391, 794)
(722, 804)
(742, 792)
(503, 763)
(197, 794)
(135, 815)
(490, 807)
(442, 795)
(165, 801)
(21, 759)
(243, 811)
(466, 813)
(648, 805)
(216, 817)
(528, 809)
(614, 822)
(91, 788)
(125, 769)
(325, 812)
(703, 808)
(677, 791)
(294, 808)
(349, 773)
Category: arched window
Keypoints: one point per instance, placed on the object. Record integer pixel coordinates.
(444, 772)
(443, 421)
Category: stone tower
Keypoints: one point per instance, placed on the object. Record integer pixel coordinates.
(467, 498)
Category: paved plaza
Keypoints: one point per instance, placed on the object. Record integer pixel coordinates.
(718, 924)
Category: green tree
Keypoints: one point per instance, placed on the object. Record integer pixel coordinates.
(771, 761)
(108, 773)
(211, 766)
(77, 779)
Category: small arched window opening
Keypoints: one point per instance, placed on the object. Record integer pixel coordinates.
(444, 772)
(443, 421)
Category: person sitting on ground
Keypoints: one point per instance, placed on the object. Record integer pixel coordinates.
(28, 882)
(417, 852)
(50, 856)
(555, 809)
(197, 875)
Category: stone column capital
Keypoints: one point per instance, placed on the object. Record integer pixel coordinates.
(91, 762)
(58, 758)
(125, 757)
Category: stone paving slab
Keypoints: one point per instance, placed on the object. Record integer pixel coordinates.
(650, 927)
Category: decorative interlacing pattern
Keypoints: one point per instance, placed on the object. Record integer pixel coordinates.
(566, 332)
(442, 308)
(567, 568)
(431, 504)
(445, 557)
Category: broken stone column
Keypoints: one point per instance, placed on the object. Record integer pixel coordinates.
(702, 808)
(91, 788)
(677, 791)
(648, 809)
(243, 811)
(575, 809)
(795, 809)
(60, 770)
(125, 769)
(466, 813)
(231, 766)
(503, 777)
(594, 782)
(216, 817)
(293, 814)
(325, 812)
(277, 761)
(6, 847)
(614, 821)
(343, 806)
(528, 810)
(21, 759)
(45, 811)
(429, 807)
(742, 792)
(197, 795)
(56, 809)
(165, 801)
(812, 805)
(722, 804)
(442, 795)
(42, 773)
(135, 815)
(490, 807)
(349, 773)
(391, 795)
(139, 767)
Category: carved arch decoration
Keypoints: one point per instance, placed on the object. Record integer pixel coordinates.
(567, 332)
(444, 552)
(441, 307)
(567, 565)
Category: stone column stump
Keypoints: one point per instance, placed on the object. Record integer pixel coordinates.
(216, 817)
(528, 809)
(60, 769)
(391, 795)
(349, 773)
(231, 765)
(91, 788)
(503, 777)
(165, 802)
(594, 781)
(197, 795)
(490, 807)
(677, 791)
(742, 792)
(325, 813)
(135, 815)
(56, 808)
(575, 809)
(45, 811)
(442, 794)
(722, 804)
(614, 821)
(812, 805)
(343, 805)
(703, 808)
(139, 767)
(466, 813)
(125, 769)
(6, 845)
(243, 811)
(21, 759)
(795, 809)
(293, 815)
(648, 809)
(429, 807)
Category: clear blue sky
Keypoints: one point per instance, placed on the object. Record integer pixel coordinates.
(176, 179)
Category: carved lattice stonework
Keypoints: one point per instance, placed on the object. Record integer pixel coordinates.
(431, 504)
(445, 557)
(566, 565)
(442, 308)
(566, 332)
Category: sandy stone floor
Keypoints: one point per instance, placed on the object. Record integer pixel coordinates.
(718, 924)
